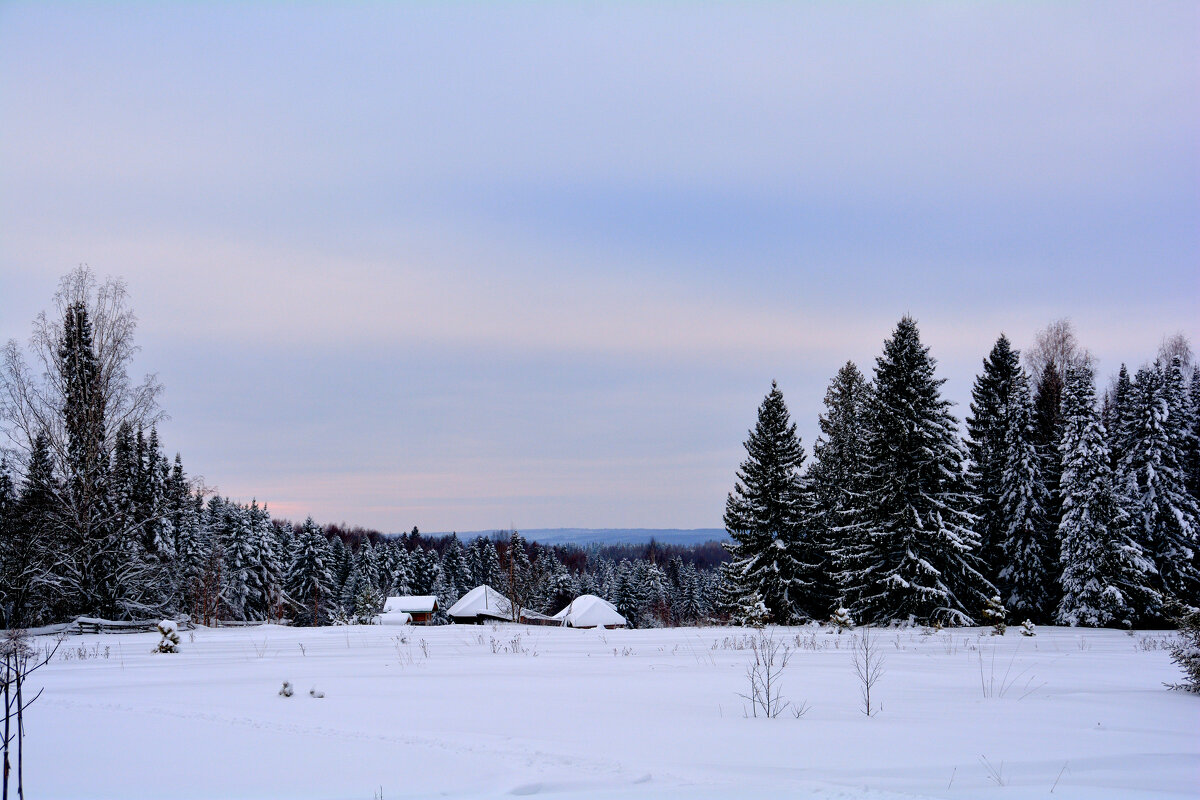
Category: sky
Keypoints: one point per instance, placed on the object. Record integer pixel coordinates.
(478, 265)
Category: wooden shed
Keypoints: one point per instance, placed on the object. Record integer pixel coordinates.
(420, 607)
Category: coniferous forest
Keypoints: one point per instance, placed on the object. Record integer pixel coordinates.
(1072, 504)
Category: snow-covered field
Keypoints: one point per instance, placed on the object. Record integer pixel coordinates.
(463, 711)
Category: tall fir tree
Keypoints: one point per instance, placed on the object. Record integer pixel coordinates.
(770, 517)
(1165, 516)
(27, 548)
(310, 579)
(910, 553)
(987, 425)
(839, 467)
(1028, 575)
(1047, 427)
(1106, 576)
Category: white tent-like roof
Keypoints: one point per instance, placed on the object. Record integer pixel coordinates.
(482, 601)
(589, 611)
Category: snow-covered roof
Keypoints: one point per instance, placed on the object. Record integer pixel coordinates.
(394, 618)
(413, 604)
(589, 611)
(482, 601)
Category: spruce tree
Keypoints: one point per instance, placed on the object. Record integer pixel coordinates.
(1165, 516)
(92, 545)
(770, 517)
(1027, 574)
(1193, 459)
(986, 427)
(1106, 576)
(485, 564)
(839, 467)
(518, 573)
(910, 553)
(28, 573)
(455, 570)
(310, 580)
(1047, 427)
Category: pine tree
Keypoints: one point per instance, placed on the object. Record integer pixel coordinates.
(1165, 516)
(911, 551)
(770, 517)
(839, 466)
(1106, 576)
(986, 427)
(1027, 543)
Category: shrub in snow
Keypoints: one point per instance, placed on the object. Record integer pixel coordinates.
(1027, 628)
(286, 691)
(1186, 652)
(315, 692)
(994, 614)
(170, 637)
(841, 619)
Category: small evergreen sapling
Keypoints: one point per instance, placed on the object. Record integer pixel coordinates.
(286, 690)
(1027, 628)
(1186, 652)
(753, 612)
(995, 614)
(170, 637)
(841, 619)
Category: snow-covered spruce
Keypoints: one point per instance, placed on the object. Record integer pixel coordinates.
(910, 552)
(770, 518)
(987, 445)
(1026, 576)
(1106, 575)
(1164, 515)
(169, 631)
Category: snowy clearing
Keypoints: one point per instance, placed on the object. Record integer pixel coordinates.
(484, 711)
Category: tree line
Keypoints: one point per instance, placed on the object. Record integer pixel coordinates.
(1069, 509)
(95, 519)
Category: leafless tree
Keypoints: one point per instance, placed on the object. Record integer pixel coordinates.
(17, 661)
(90, 562)
(1175, 346)
(1057, 347)
(771, 658)
(868, 666)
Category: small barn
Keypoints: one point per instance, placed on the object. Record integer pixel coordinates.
(481, 604)
(420, 607)
(590, 611)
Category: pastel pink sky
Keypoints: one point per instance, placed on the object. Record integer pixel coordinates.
(471, 266)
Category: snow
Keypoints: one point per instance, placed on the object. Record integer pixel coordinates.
(412, 604)
(482, 601)
(590, 611)
(503, 709)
